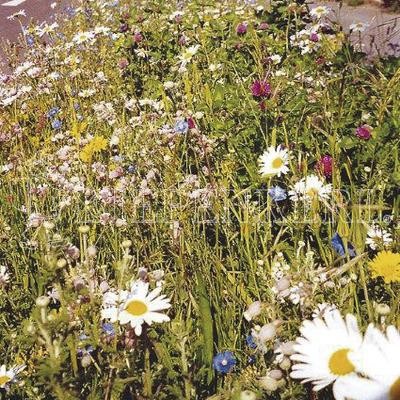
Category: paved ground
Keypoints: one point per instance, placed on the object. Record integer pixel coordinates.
(383, 33)
(35, 10)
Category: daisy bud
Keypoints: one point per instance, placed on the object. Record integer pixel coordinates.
(253, 310)
(104, 286)
(382, 309)
(282, 284)
(269, 384)
(285, 364)
(61, 263)
(267, 332)
(42, 301)
(287, 348)
(86, 360)
(247, 395)
(275, 374)
(30, 329)
(48, 225)
(91, 251)
(84, 229)
(126, 244)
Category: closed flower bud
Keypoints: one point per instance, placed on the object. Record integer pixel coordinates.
(287, 348)
(275, 374)
(61, 263)
(86, 360)
(283, 284)
(247, 395)
(84, 229)
(126, 244)
(253, 310)
(285, 364)
(42, 301)
(382, 309)
(269, 384)
(91, 251)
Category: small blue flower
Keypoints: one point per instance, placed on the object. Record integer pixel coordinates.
(53, 112)
(77, 106)
(56, 124)
(338, 245)
(108, 329)
(277, 193)
(70, 11)
(181, 126)
(30, 41)
(85, 349)
(250, 342)
(224, 362)
(251, 360)
(131, 169)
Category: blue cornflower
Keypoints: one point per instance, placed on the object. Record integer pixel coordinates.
(250, 342)
(77, 106)
(56, 124)
(181, 126)
(277, 193)
(108, 329)
(53, 112)
(338, 245)
(224, 362)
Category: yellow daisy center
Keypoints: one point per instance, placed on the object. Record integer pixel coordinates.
(136, 308)
(312, 192)
(339, 363)
(394, 391)
(4, 379)
(277, 163)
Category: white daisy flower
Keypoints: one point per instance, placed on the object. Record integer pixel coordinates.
(378, 360)
(323, 351)
(4, 275)
(7, 377)
(358, 27)
(187, 55)
(136, 306)
(83, 37)
(377, 237)
(319, 12)
(310, 188)
(274, 161)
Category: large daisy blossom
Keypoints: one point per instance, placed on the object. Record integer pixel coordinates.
(323, 351)
(309, 188)
(274, 161)
(8, 376)
(136, 306)
(378, 360)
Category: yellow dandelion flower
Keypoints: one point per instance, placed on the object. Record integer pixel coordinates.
(387, 265)
(97, 144)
